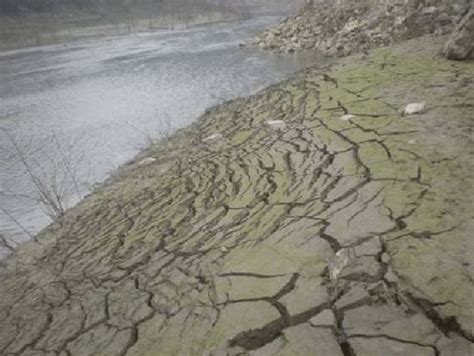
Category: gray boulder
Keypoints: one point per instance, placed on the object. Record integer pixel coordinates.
(460, 45)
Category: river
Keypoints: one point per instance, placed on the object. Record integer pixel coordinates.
(70, 114)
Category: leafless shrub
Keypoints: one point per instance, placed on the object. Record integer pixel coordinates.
(6, 244)
(159, 133)
(17, 223)
(164, 127)
(51, 172)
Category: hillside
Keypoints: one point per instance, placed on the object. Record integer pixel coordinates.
(345, 26)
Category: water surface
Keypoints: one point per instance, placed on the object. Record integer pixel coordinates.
(87, 107)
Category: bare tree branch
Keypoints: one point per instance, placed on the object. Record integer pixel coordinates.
(52, 176)
(4, 243)
(20, 225)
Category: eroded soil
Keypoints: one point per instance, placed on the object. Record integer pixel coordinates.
(318, 236)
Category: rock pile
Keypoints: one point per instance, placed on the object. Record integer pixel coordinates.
(344, 27)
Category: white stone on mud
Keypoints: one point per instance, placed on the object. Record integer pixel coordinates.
(415, 108)
(146, 161)
(224, 249)
(412, 142)
(337, 264)
(213, 137)
(347, 117)
(276, 124)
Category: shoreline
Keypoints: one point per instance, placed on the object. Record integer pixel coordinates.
(283, 67)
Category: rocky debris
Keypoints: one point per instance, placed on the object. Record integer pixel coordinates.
(329, 237)
(414, 108)
(345, 27)
(460, 45)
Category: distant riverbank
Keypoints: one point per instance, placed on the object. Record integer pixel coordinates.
(40, 30)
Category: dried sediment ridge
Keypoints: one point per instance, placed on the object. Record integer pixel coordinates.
(312, 236)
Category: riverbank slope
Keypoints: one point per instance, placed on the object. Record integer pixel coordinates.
(312, 217)
(346, 27)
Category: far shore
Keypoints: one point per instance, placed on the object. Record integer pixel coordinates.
(37, 31)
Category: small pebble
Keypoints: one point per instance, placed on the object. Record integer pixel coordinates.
(213, 137)
(146, 161)
(277, 124)
(414, 108)
(347, 117)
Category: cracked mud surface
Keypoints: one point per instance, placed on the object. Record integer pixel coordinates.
(320, 236)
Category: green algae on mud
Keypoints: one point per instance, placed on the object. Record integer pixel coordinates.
(230, 244)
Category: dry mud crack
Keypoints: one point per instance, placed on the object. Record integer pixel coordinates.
(316, 236)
